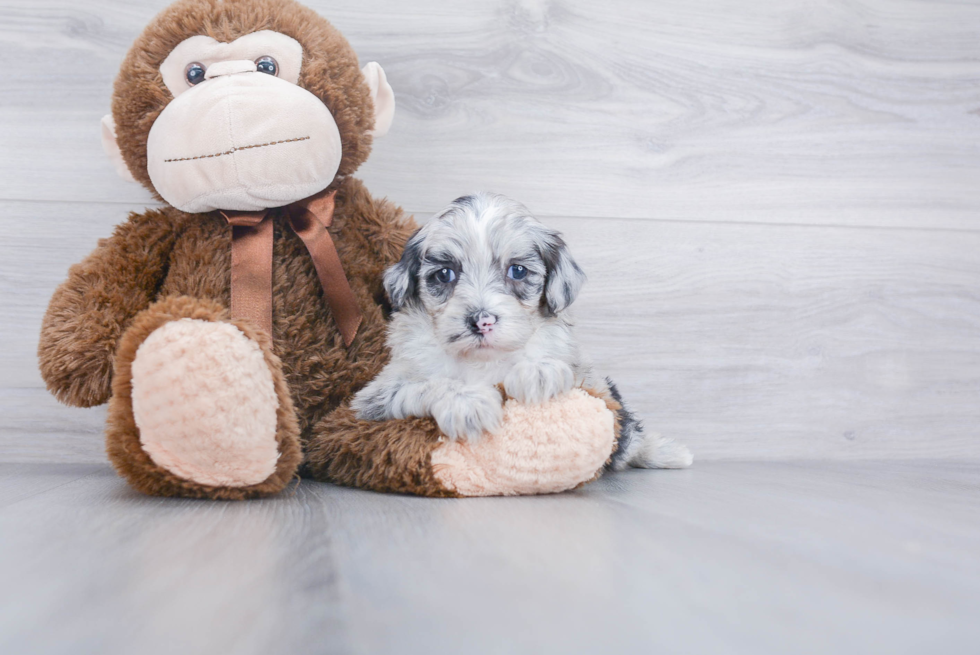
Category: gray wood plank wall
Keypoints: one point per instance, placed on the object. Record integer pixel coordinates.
(777, 202)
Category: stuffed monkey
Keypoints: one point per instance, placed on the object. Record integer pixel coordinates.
(228, 329)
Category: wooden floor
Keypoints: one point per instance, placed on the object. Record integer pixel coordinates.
(727, 557)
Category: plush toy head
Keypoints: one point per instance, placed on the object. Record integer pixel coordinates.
(243, 105)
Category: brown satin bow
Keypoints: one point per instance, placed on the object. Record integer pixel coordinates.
(251, 262)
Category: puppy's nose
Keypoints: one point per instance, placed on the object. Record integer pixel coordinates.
(482, 322)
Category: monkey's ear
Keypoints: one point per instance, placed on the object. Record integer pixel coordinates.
(112, 148)
(382, 96)
(401, 280)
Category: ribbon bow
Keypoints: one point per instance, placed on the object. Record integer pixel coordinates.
(251, 262)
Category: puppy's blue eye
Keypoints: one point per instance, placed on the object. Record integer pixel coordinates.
(267, 65)
(445, 275)
(194, 73)
(516, 272)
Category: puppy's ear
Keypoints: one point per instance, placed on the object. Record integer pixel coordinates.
(564, 277)
(401, 280)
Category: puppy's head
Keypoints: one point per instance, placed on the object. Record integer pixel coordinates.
(487, 272)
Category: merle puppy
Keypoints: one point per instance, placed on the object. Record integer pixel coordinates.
(480, 299)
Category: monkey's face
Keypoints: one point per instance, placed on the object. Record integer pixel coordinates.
(241, 132)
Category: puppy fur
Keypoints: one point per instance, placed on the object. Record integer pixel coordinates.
(481, 302)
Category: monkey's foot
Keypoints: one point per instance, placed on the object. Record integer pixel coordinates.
(207, 403)
(539, 449)
(204, 403)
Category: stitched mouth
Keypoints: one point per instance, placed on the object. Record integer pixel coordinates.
(236, 149)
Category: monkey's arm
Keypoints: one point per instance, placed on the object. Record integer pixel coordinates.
(90, 310)
(380, 229)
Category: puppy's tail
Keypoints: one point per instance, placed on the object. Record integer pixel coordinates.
(640, 449)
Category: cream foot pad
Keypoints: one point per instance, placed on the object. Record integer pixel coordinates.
(539, 449)
(205, 403)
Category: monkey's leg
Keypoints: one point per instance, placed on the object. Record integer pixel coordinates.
(392, 456)
(546, 448)
(199, 406)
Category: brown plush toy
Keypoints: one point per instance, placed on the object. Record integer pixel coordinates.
(229, 329)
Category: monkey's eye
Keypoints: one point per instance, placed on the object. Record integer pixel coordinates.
(446, 275)
(516, 272)
(267, 65)
(194, 73)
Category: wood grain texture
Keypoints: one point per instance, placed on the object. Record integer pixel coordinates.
(34, 427)
(760, 341)
(776, 202)
(724, 558)
(831, 112)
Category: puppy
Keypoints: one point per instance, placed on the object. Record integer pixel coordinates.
(480, 299)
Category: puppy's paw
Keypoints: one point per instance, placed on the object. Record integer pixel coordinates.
(658, 452)
(468, 412)
(538, 381)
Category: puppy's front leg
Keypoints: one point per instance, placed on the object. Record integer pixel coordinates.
(461, 410)
(465, 411)
(538, 380)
